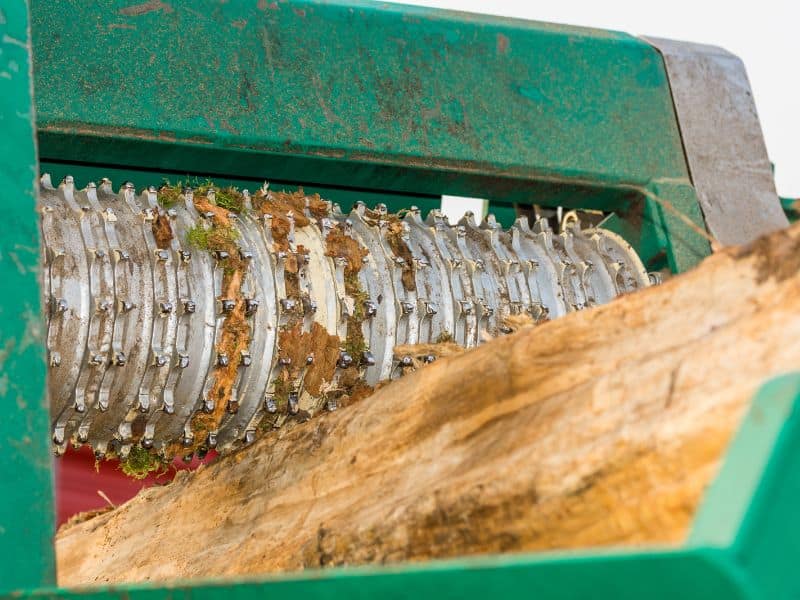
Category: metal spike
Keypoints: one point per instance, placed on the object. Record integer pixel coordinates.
(293, 403)
(345, 360)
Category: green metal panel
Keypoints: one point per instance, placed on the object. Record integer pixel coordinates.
(683, 246)
(361, 95)
(26, 502)
(359, 84)
(751, 508)
(791, 206)
(658, 575)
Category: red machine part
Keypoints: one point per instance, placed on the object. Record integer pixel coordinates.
(81, 487)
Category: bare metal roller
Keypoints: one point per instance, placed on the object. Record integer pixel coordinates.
(178, 322)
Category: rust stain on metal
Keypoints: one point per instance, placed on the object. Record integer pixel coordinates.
(138, 10)
(113, 26)
(145, 135)
(502, 43)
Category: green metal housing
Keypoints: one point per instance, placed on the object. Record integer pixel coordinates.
(363, 101)
(370, 96)
(27, 520)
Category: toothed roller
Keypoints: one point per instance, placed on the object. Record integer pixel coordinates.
(135, 326)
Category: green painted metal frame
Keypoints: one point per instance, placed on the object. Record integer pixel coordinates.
(747, 533)
(370, 96)
(27, 520)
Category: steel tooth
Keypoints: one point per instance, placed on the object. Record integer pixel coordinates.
(468, 220)
(541, 226)
(46, 182)
(124, 451)
(414, 214)
(522, 224)
(128, 189)
(490, 222)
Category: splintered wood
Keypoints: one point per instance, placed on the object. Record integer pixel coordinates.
(602, 428)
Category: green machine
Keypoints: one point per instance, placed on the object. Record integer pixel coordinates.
(366, 102)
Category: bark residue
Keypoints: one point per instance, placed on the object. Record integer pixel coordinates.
(312, 355)
(281, 204)
(341, 245)
(352, 387)
(162, 231)
(291, 271)
(235, 335)
(394, 236)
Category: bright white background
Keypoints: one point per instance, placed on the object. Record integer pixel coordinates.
(764, 33)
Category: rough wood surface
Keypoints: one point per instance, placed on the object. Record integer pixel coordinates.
(600, 428)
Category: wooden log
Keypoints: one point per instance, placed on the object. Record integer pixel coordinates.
(602, 428)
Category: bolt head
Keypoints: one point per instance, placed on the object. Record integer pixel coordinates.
(250, 306)
(345, 360)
